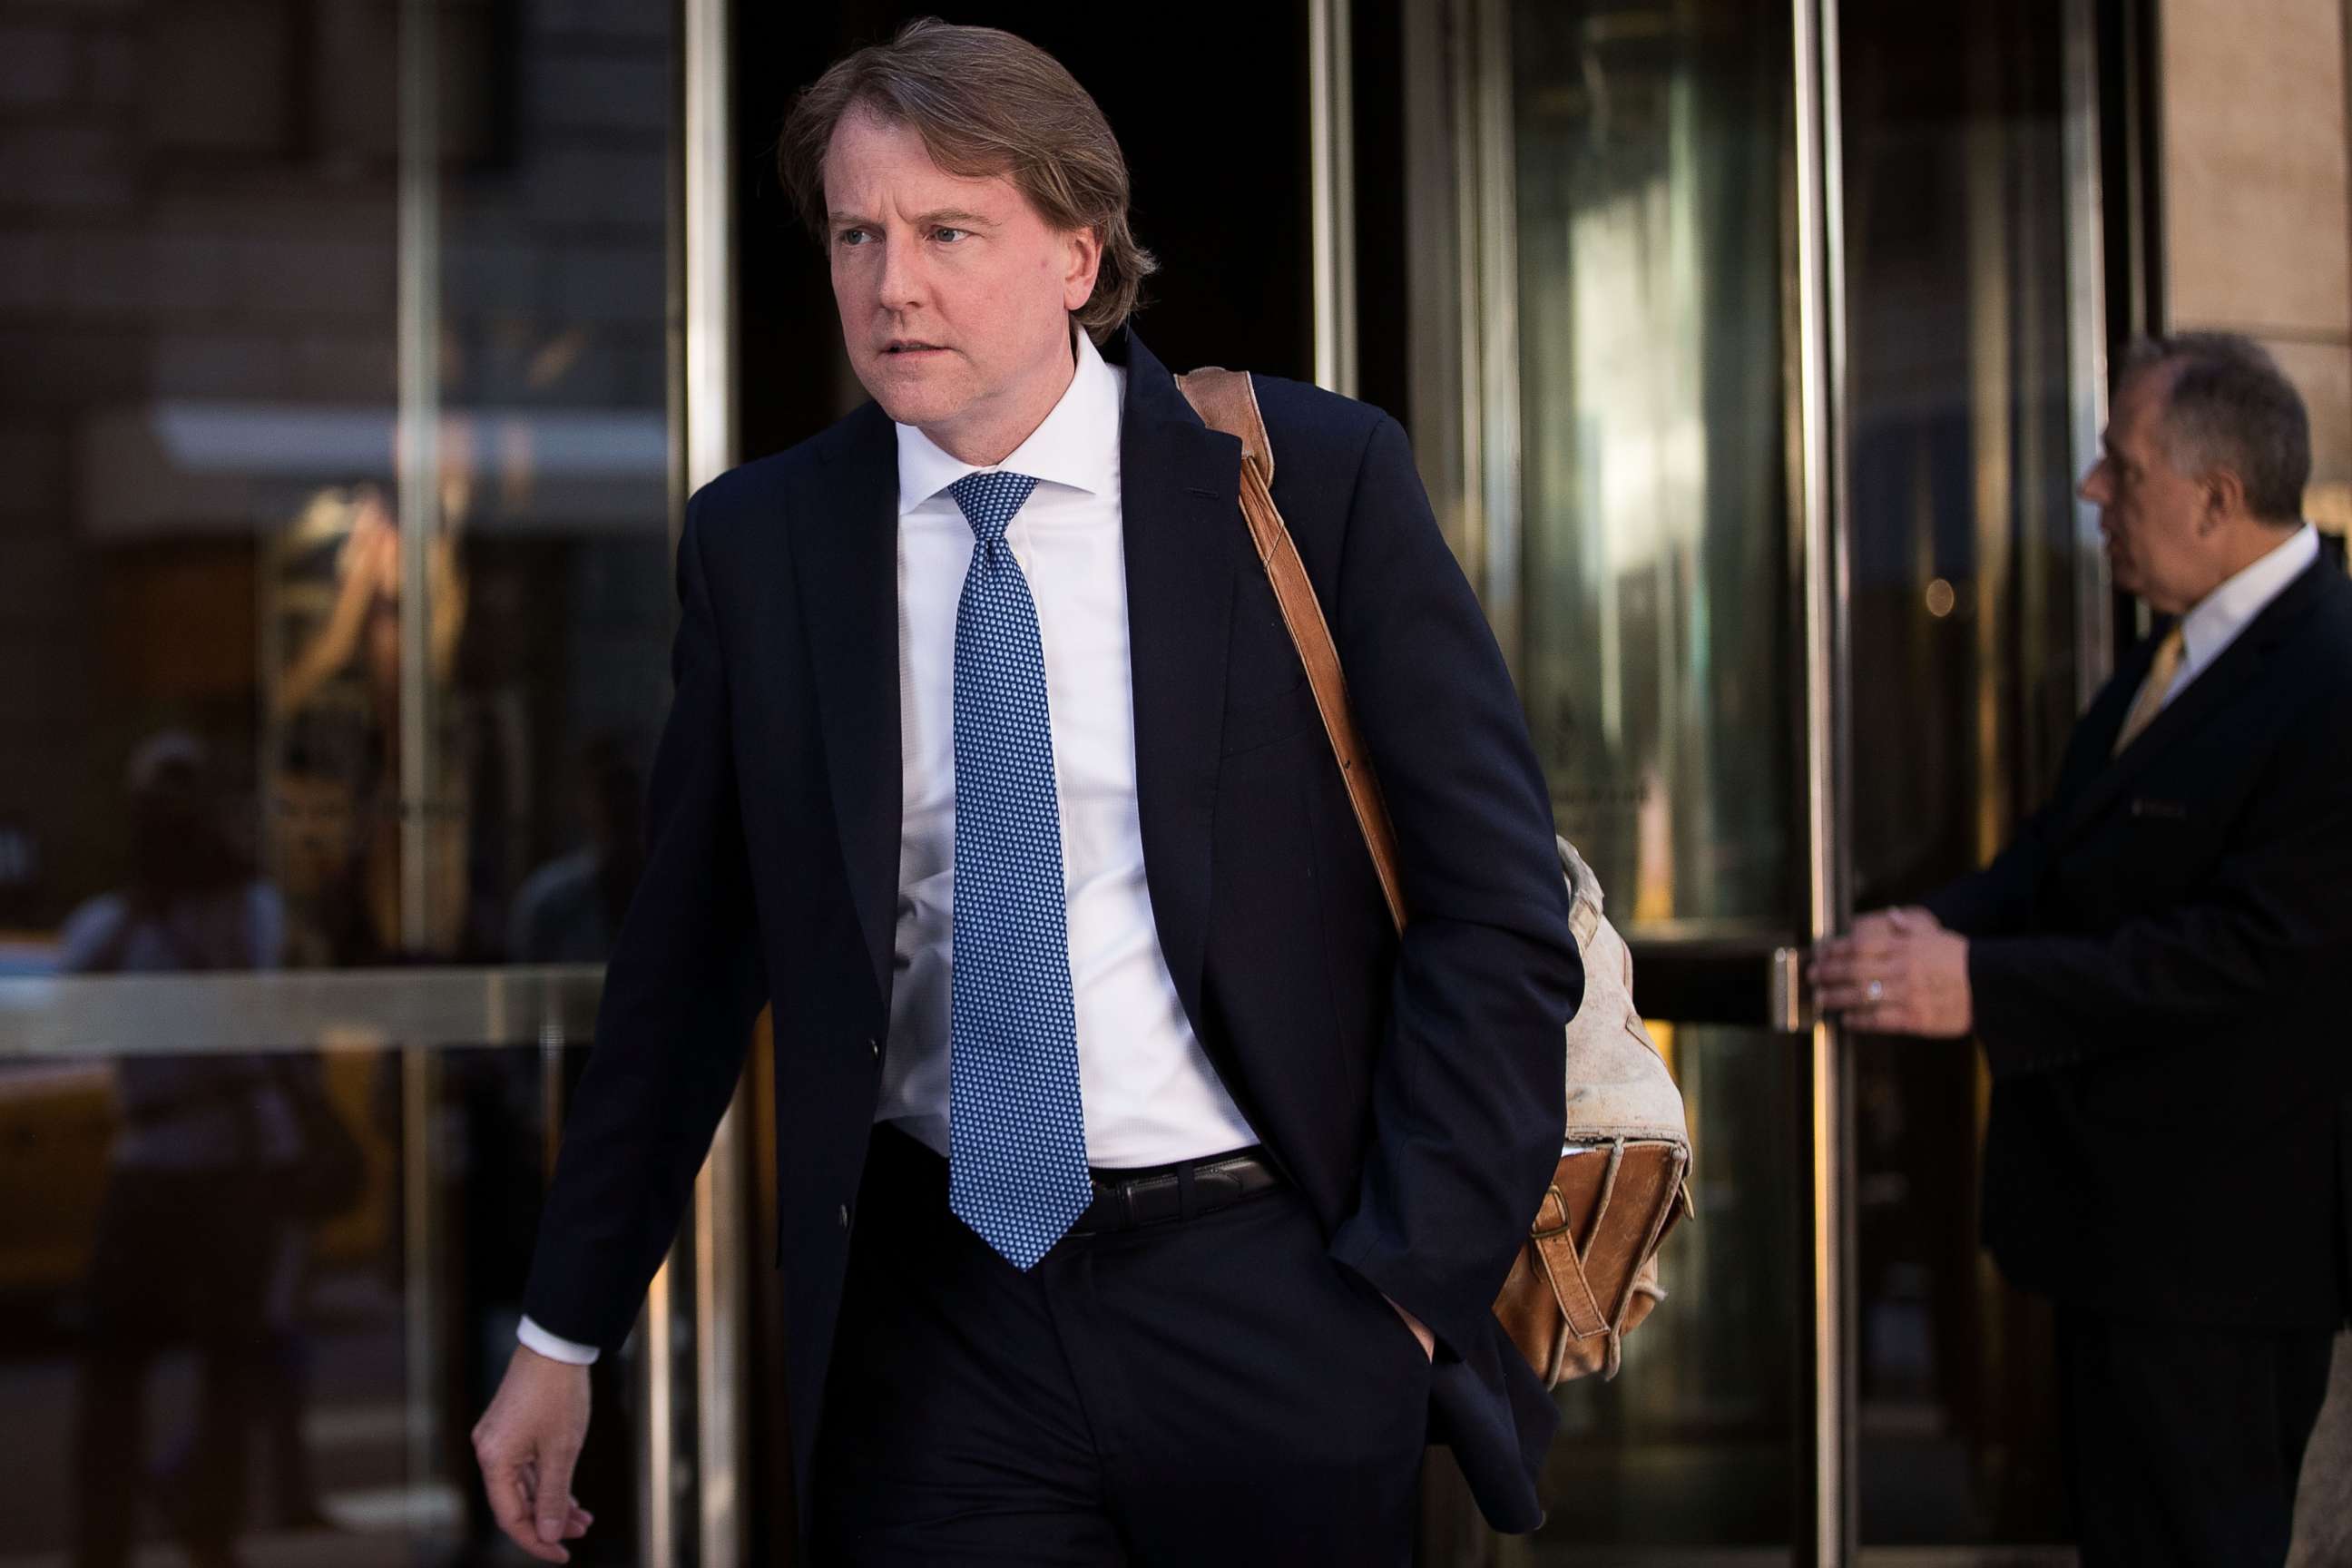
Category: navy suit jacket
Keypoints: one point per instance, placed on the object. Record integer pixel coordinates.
(1411, 1089)
(2157, 965)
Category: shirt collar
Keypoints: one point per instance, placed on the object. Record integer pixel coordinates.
(1077, 445)
(2225, 611)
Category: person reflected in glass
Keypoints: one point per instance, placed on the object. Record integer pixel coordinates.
(340, 704)
(567, 911)
(190, 1238)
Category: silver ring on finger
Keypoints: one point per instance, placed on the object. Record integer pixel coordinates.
(1876, 991)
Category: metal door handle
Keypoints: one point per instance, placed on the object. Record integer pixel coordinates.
(1752, 982)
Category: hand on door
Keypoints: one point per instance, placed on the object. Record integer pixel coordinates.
(1899, 971)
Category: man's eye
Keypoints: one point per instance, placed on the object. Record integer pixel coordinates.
(943, 233)
(849, 235)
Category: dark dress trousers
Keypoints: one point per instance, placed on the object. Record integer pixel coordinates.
(1410, 1089)
(2159, 967)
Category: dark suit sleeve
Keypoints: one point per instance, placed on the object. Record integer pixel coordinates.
(2273, 917)
(1467, 1093)
(681, 989)
(1998, 899)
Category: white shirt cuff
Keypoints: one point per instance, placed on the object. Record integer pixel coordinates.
(536, 1337)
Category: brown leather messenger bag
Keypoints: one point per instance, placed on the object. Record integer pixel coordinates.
(1588, 1273)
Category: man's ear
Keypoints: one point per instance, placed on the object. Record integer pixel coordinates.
(2223, 497)
(1084, 265)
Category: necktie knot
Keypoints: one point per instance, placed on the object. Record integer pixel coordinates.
(990, 500)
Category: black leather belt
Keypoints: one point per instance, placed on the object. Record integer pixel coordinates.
(1125, 1199)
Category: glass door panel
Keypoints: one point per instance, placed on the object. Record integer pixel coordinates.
(1974, 598)
(1654, 594)
(1693, 1444)
(1658, 637)
(1770, 348)
(336, 398)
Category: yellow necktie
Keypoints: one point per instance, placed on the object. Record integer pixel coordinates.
(2150, 700)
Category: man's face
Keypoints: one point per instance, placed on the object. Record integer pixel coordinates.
(954, 294)
(2153, 515)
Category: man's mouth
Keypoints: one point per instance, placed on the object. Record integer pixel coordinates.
(909, 347)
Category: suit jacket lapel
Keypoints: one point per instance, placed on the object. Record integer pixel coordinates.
(846, 547)
(2212, 690)
(1180, 489)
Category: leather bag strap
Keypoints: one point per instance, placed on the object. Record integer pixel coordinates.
(1555, 1250)
(1226, 400)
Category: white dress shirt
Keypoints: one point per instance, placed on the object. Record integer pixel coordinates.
(1149, 1094)
(2210, 627)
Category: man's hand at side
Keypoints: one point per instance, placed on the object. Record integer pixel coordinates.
(527, 1442)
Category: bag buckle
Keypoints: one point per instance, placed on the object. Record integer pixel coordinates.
(1552, 1200)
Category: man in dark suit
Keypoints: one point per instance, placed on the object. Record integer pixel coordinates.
(2156, 968)
(1143, 1196)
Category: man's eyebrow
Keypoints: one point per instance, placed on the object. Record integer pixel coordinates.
(946, 215)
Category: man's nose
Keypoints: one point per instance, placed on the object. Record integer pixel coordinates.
(901, 281)
(2094, 487)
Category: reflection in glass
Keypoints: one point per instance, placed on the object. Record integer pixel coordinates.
(1691, 1445)
(287, 685)
(195, 1221)
(1655, 587)
(217, 1172)
(335, 735)
(210, 1316)
(224, 512)
(1655, 608)
(570, 910)
(1963, 612)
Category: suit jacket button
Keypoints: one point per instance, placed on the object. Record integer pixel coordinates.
(844, 1216)
(875, 1045)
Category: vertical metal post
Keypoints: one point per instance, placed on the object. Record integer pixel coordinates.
(657, 1442)
(2086, 339)
(1330, 150)
(416, 448)
(1821, 412)
(1463, 122)
(1991, 376)
(1488, 230)
(550, 1092)
(1434, 291)
(712, 439)
(420, 1292)
(416, 459)
(706, 265)
(2143, 86)
(721, 1292)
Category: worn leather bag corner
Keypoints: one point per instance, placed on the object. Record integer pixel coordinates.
(1587, 1275)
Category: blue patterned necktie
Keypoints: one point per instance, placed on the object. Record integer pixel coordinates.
(1017, 1136)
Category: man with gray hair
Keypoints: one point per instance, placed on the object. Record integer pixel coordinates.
(2154, 968)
